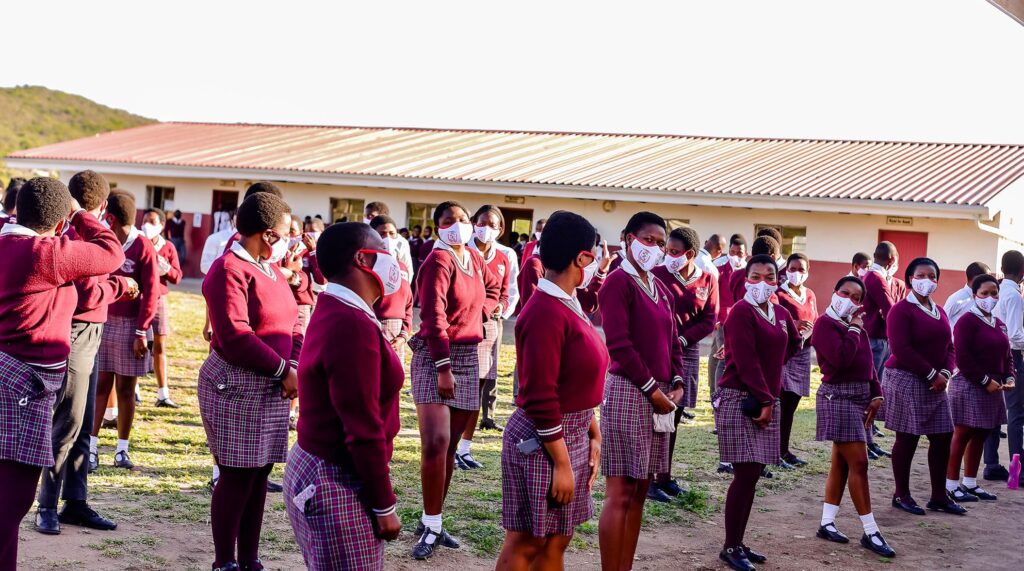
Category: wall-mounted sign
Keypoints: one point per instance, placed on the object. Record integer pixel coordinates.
(515, 199)
(899, 221)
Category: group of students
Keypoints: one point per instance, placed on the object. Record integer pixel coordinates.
(885, 352)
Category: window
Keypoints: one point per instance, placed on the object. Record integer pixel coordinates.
(346, 210)
(794, 238)
(674, 223)
(160, 197)
(419, 213)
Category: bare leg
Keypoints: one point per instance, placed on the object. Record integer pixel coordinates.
(126, 405)
(855, 457)
(552, 557)
(634, 519)
(520, 550)
(104, 392)
(835, 484)
(458, 419)
(975, 448)
(160, 360)
(611, 531)
(961, 437)
(435, 461)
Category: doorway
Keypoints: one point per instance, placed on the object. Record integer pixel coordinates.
(224, 203)
(909, 245)
(518, 220)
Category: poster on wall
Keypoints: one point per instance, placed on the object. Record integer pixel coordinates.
(197, 220)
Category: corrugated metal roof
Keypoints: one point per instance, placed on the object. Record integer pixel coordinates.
(940, 173)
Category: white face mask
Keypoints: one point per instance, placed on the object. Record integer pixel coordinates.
(738, 263)
(588, 274)
(675, 263)
(278, 250)
(103, 221)
(843, 306)
(647, 257)
(861, 272)
(986, 304)
(457, 234)
(536, 235)
(796, 278)
(892, 271)
(485, 234)
(923, 286)
(387, 271)
(760, 292)
(152, 230)
(391, 244)
(314, 235)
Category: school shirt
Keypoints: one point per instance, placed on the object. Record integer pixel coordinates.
(454, 300)
(705, 263)
(254, 316)
(640, 330)
(37, 296)
(139, 264)
(348, 414)
(1010, 310)
(757, 344)
(958, 304)
(982, 348)
(881, 293)
(497, 262)
(695, 302)
(920, 339)
(801, 307)
(513, 279)
(844, 353)
(215, 246)
(397, 305)
(168, 252)
(561, 360)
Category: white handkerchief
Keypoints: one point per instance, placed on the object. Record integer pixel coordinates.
(302, 497)
(665, 422)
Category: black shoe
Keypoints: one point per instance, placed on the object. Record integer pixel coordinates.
(725, 468)
(672, 488)
(423, 550)
(274, 487)
(654, 493)
(753, 556)
(876, 432)
(792, 460)
(468, 460)
(229, 566)
(785, 465)
(714, 431)
(908, 505)
(446, 540)
(166, 403)
(832, 533)
(872, 455)
(766, 473)
(112, 423)
(121, 460)
(47, 522)
(996, 473)
(960, 496)
(460, 464)
(688, 415)
(977, 492)
(878, 450)
(80, 514)
(94, 462)
(884, 550)
(212, 483)
(293, 423)
(256, 565)
(949, 507)
(736, 557)
(489, 424)
(1002, 434)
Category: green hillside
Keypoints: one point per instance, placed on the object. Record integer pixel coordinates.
(31, 116)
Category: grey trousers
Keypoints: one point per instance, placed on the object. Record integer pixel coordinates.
(717, 339)
(73, 409)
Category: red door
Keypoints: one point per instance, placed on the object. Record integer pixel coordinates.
(910, 245)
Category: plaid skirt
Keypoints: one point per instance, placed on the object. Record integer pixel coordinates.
(116, 355)
(303, 320)
(161, 324)
(391, 328)
(910, 407)
(629, 446)
(972, 405)
(796, 373)
(245, 418)
(526, 479)
(840, 412)
(691, 375)
(332, 527)
(464, 367)
(487, 350)
(739, 439)
(27, 396)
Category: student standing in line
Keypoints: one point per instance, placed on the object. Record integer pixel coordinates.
(759, 337)
(859, 265)
(249, 377)
(538, 229)
(802, 305)
(402, 249)
(170, 273)
(551, 448)
(10, 205)
(394, 311)
(337, 482)
(916, 375)
(962, 300)
(36, 308)
(695, 304)
(645, 379)
(882, 290)
(986, 372)
(1010, 311)
(737, 260)
(176, 234)
(847, 401)
(457, 294)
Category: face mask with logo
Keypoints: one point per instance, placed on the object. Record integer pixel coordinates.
(278, 250)
(456, 234)
(152, 230)
(589, 271)
(485, 234)
(843, 306)
(923, 286)
(796, 278)
(647, 257)
(391, 245)
(760, 292)
(738, 263)
(986, 304)
(675, 263)
(386, 271)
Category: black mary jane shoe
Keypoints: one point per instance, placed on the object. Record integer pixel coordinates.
(256, 565)
(908, 505)
(672, 488)
(229, 566)
(830, 532)
(655, 494)
(47, 522)
(274, 487)
(948, 506)
(446, 540)
(882, 548)
(468, 460)
(79, 513)
(489, 424)
(960, 496)
(688, 415)
(977, 492)
(122, 460)
(876, 432)
(754, 556)
(766, 473)
(725, 468)
(792, 460)
(785, 465)
(459, 464)
(872, 455)
(736, 558)
(878, 450)
(423, 550)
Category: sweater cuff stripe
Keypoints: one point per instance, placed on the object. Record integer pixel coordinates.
(932, 374)
(855, 330)
(442, 363)
(140, 333)
(549, 431)
(683, 341)
(280, 369)
(947, 373)
(385, 511)
(294, 363)
(647, 386)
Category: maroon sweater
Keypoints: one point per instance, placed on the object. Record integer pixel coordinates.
(140, 264)
(38, 301)
(454, 303)
(641, 335)
(982, 350)
(844, 354)
(920, 343)
(725, 299)
(174, 275)
(696, 303)
(561, 360)
(879, 298)
(397, 305)
(350, 392)
(756, 350)
(254, 317)
(95, 293)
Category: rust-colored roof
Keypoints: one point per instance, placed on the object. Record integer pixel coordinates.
(956, 174)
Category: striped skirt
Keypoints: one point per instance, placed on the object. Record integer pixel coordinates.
(27, 396)
(910, 407)
(333, 528)
(972, 405)
(245, 418)
(526, 479)
(840, 412)
(464, 367)
(392, 328)
(161, 323)
(796, 373)
(487, 350)
(116, 355)
(739, 439)
(691, 374)
(629, 446)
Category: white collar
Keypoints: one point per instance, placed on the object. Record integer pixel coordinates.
(1008, 283)
(132, 235)
(933, 311)
(159, 242)
(238, 250)
(349, 297)
(832, 313)
(802, 298)
(630, 269)
(17, 230)
(704, 252)
(991, 321)
(547, 286)
(768, 316)
(880, 270)
(465, 254)
(494, 248)
(697, 272)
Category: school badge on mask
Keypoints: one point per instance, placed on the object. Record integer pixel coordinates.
(702, 293)
(128, 266)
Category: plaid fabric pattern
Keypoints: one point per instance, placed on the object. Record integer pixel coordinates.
(972, 405)
(27, 396)
(840, 412)
(116, 354)
(332, 527)
(739, 439)
(161, 324)
(796, 373)
(487, 350)
(391, 329)
(526, 479)
(691, 374)
(464, 367)
(629, 446)
(245, 418)
(911, 407)
(303, 320)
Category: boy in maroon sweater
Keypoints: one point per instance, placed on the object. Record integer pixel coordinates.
(882, 290)
(170, 273)
(802, 305)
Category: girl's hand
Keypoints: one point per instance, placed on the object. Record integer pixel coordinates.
(765, 418)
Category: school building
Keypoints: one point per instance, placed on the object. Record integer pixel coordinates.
(956, 203)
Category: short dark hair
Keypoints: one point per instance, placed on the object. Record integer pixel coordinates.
(16, 182)
(641, 219)
(859, 258)
(159, 214)
(89, 188)
(908, 274)
(1012, 263)
(982, 279)
(381, 220)
(11, 196)
(885, 251)
(318, 225)
(761, 259)
(566, 234)
(338, 245)
(798, 256)
(853, 279)
(490, 209)
(976, 269)
(687, 235)
(121, 205)
(440, 208)
(765, 246)
(42, 203)
(737, 239)
(417, 227)
(378, 207)
(263, 186)
(260, 212)
(770, 231)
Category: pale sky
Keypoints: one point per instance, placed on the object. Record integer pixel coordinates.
(925, 70)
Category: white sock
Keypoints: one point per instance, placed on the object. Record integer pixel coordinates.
(94, 444)
(463, 447)
(951, 485)
(163, 393)
(122, 446)
(828, 513)
(433, 523)
(868, 521)
(138, 392)
(970, 483)
(216, 472)
(110, 414)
